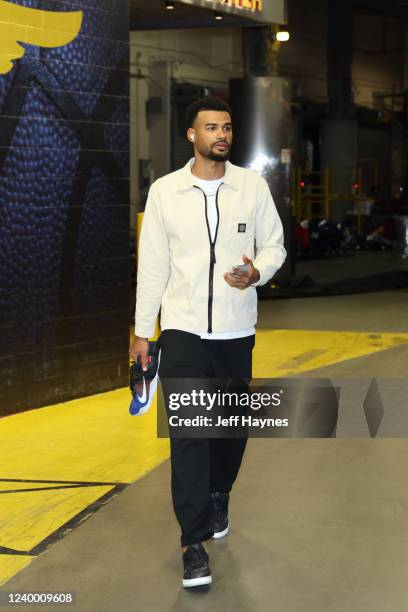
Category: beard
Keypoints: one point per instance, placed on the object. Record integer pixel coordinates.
(209, 153)
(218, 157)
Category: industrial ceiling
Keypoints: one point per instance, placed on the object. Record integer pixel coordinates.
(152, 14)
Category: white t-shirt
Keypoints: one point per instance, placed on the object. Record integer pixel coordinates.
(210, 189)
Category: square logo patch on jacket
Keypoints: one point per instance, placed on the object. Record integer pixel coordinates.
(241, 227)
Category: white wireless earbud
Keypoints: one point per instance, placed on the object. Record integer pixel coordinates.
(192, 138)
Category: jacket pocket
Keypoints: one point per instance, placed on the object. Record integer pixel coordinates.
(241, 238)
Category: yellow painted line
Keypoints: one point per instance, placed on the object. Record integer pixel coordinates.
(26, 519)
(88, 439)
(10, 565)
(95, 439)
(285, 352)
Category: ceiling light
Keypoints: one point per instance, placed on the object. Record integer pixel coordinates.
(282, 35)
(169, 5)
(218, 16)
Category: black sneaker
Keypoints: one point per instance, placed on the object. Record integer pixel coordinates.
(196, 568)
(221, 525)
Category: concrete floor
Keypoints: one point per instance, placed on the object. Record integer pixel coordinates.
(317, 525)
(385, 311)
(356, 264)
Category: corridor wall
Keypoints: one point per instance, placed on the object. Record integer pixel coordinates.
(64, 200)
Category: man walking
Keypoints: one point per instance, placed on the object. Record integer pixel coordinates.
(200, 223)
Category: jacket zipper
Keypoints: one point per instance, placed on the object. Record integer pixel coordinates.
(213, 260)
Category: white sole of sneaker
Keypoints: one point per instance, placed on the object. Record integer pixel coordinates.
(221, 534)
(192, 582)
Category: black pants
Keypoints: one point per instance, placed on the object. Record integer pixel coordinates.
(202, 465)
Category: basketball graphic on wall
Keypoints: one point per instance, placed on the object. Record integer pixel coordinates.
(64, 201)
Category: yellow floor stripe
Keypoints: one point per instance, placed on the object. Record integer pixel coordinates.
(285, 352)
(28, 518)
(10, 566)
(88, 439)
(95, 438)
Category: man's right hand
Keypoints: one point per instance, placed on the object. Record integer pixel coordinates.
(140, 348)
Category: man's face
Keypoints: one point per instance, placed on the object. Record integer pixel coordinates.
(212, 134)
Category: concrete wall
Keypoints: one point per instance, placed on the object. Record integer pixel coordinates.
(64, 208)
(303, 60)
(303, 57)
(374, 71)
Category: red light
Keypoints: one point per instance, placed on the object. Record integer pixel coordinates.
(356, 186)
(302, 184)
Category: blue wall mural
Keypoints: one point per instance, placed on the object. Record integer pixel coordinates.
(64, 206)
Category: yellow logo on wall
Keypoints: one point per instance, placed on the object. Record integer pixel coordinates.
(34, 27)
(252, 5)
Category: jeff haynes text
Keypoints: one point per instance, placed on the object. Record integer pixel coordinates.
(232, 421)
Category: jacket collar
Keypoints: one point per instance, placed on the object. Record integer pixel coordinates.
(187, 179)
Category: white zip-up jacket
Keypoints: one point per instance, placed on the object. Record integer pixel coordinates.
(180, 268)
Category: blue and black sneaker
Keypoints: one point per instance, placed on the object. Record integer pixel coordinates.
(143, 384)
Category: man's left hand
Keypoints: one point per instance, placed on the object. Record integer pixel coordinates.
(240, 279)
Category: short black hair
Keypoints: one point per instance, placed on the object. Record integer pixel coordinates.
(207, 103)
